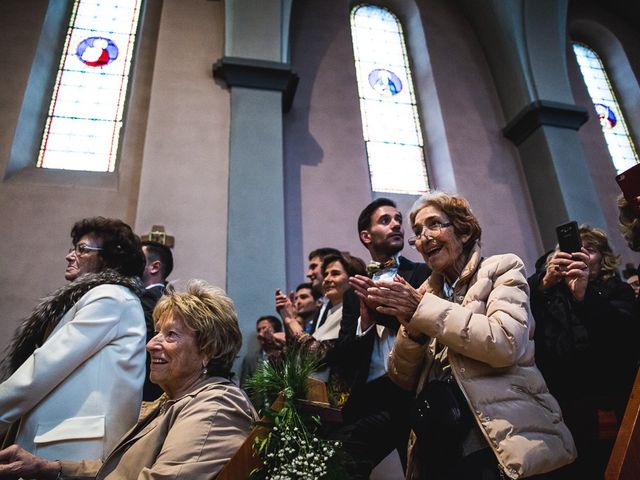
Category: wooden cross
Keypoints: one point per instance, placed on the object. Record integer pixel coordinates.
(158, 234)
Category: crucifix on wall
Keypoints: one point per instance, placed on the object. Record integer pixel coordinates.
(158, 234)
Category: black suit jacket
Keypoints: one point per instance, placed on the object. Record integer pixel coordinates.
(149, 298)
(351, 357)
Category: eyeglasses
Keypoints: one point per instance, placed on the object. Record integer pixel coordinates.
(432, 230)
(83, 249)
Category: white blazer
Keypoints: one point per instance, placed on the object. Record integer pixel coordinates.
(329, 330)
(78, 393)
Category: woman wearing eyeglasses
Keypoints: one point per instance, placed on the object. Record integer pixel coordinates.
(581, 307)
(482, 409)
(74, 371)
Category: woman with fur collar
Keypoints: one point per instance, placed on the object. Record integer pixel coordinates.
(466, 348)
(72, 379)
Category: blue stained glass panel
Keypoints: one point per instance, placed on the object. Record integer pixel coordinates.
(82, 130)
(614, 127)
(390, 120)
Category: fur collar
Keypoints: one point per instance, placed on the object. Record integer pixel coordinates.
(36, 327)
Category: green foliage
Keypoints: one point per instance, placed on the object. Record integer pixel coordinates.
(291, 449)
(287, 374)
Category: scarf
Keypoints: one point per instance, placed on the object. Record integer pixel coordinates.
(34, 330)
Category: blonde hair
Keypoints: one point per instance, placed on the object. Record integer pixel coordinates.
(211, 314)
(456, 208)
(597, 239)
(629, 224)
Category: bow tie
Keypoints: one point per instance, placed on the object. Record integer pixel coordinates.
(374, 266)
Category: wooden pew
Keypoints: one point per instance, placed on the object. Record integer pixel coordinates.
(244, 461)
(624, 463)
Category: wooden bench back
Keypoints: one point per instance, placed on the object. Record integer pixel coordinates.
(624, 463)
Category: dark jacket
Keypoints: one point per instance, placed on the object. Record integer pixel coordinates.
(587, 347)
(351, 356)
(149, 299)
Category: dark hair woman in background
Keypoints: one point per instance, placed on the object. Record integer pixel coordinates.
(74, 371)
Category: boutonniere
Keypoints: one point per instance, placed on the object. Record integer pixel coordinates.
(374, 266)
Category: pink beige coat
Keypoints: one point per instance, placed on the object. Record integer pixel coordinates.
(489, 336)
(191, 437)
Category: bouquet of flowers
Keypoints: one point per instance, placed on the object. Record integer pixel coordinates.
(291, 448)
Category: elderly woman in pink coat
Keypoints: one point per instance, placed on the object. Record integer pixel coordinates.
(482, 408)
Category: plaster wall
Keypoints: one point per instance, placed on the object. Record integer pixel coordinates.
(485, 164)
(39, 206)
(327, 181)
(172, 169)
(598, 159)
(183, 183)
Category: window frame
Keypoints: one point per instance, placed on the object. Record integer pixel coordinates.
(618, 104)
(21, 165)
(414, 104)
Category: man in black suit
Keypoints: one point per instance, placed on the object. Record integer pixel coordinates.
(375, 415)
(158, 266)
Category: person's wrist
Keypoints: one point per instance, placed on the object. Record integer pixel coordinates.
(51, 469)
(365, 323)
(417, 337)
(578, 297)
(545, 282)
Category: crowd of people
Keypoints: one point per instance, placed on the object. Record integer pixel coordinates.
(73, 380)
(465, 366)
(534, 363)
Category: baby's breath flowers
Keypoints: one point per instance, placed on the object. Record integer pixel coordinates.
(292, 450)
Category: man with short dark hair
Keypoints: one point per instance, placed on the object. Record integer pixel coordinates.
(266, 326)
(306, 302)
(375, 414)
(158, 266)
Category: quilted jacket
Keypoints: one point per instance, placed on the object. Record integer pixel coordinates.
(489, 334)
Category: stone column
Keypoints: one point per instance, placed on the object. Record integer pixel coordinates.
(526, 46)
(262, 85)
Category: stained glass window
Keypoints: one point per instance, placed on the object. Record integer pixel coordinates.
(390, 120)
(83, 126)
(614, 127)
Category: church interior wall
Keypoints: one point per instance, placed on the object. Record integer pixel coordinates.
(486, 165)
(174, 165)
(185, 165)
(595, 25)
(326, 167)
(40, 206)
(172, 168)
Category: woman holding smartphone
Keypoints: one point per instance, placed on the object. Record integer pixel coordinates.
(586, 343)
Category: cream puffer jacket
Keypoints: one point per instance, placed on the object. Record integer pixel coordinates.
(489, 332)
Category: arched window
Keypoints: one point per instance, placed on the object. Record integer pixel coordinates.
(390, 120)
(83, 126)
(616, 133)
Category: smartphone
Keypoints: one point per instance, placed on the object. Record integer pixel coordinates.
(629, 183)
(569, 237)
